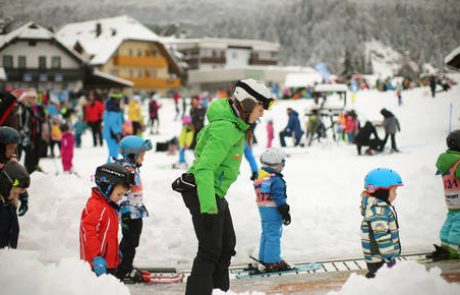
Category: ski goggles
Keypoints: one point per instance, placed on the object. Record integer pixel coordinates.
(266, 102)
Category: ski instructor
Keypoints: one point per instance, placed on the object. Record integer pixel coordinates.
(218, 155)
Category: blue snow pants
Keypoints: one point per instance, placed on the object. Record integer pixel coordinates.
(450, 231)
(270, 240)
(113, 149)
(182, 156)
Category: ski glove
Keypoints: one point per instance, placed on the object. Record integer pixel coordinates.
(24, 197)
(284, 211)
(208, 221)
(184, 183)
(99, 265)
(391, 263)
(254, 176)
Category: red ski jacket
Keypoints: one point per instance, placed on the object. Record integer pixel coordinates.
(94, 112)
(99, 231)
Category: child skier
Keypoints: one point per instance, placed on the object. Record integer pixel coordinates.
(14, 180)
(185, 141)
(99, 218)
(447, 165)
(270, 133)
(79, 127)
(379, 228)
(67, 145)
(274, 211)
(132, 149)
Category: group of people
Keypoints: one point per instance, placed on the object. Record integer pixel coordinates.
(348, 129)
(219, 150)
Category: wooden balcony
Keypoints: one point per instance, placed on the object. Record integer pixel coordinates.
(262, 62)
(141, 61)
(153, 83)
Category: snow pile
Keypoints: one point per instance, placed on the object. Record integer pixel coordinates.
(405, 278)
(21, 272)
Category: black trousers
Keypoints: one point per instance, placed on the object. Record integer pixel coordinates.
(373, 268)
(97, 132)
(216, 245)
(131, 229)
(393, 141)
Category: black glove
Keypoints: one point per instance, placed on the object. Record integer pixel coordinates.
(284, 211)
(184, 183)
(24, 197)
(254, 176)
(208, 221)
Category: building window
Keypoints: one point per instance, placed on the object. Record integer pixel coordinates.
(234, 55)
(56, 62)
(22, 62)
(42, 62)
(114, 73)
(153, 73)
(32, 43)
(131, 74)
(139, 73)
(7, 61)
(58, 77)
(43, 77)
(27, 77)
(130, 52)
(139, 52)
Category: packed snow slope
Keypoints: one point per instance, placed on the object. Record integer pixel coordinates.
(324, 183)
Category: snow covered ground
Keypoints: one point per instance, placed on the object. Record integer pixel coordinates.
(324, 184)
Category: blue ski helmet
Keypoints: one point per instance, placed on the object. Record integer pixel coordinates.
(132, 145)
(381, 178)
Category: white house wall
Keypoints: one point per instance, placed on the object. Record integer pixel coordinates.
(42, 48)
(236, 57)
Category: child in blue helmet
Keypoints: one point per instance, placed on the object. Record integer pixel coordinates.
(379, 228)
(132, 149)
(274, 211)
(448, 166)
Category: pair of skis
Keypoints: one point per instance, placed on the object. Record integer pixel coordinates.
(157, 276)
(259, 269)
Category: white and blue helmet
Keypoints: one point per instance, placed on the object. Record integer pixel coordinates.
(132, 145)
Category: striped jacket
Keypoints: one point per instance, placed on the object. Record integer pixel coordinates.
(99, 230)
(379, 230)
(133, 201)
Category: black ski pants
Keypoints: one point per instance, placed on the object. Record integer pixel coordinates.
(393, 141)
(216, 246)
(96, 129)
(131, 229)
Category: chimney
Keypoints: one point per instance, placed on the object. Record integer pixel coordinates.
(98, 29)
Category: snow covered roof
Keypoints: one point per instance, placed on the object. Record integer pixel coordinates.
(28, 31)
(223, 43)
(33, 31)
(113, 31)
(109, 77)
(453, 59)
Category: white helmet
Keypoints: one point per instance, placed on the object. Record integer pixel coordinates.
(273, 157)
(255, 90)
